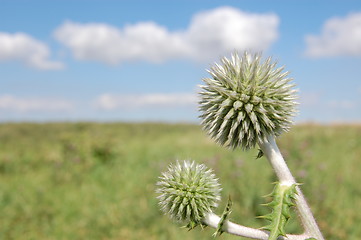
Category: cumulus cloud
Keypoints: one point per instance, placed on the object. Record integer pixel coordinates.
(209, 35)
(22, 47)
(136, 101)
(17, 104)
(213, 33)
(339, 37)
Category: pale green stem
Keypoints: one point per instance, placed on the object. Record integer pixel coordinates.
(273, 154)
(212, 220)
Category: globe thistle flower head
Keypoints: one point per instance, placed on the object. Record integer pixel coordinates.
(187, 191)
(246, 100)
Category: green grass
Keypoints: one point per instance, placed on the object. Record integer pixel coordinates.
(96, 181)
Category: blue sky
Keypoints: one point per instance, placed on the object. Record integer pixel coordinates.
(142, 60)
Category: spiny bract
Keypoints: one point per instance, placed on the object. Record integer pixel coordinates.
(187, 191)
(246, 100)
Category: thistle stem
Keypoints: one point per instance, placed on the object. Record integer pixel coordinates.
(212, 220)
(274, 156)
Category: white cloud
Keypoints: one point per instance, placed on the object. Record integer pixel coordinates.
(316, 100)
(210, 34)
(310, 99)
(213, 33)
(22, 47)
(342, 104)
(339, 37)
(136, 101)
(13, 103)
(101, 42)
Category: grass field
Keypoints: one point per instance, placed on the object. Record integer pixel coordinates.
(96, 181)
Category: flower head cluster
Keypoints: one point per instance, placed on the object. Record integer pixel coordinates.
(245, 100)
(187, 191)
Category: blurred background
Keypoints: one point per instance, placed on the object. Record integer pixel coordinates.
(98, 97)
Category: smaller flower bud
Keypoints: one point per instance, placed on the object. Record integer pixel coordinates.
(188, 191)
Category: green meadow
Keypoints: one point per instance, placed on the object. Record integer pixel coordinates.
(97, 181)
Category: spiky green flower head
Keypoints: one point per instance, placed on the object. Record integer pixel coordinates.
(246, 99)
(188, 191)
